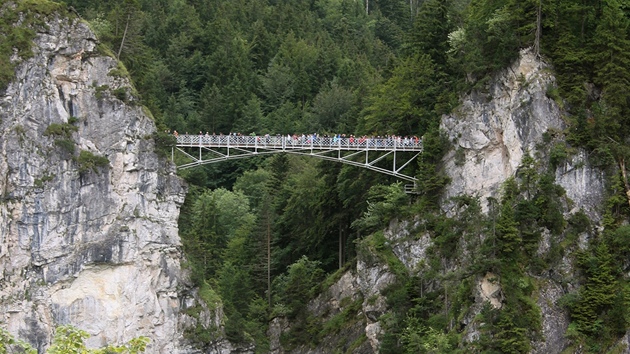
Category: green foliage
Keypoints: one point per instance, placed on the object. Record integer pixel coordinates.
(164, 142)
(8, 344)
(491, 36)
(404, 103)
(417, 338)
(216, 217)
(297, 286)
(69, 340)
(17, 32)
(120, 71)
(66, 145)
(209, 296)
(384, 203)
(60, 130)
(593, 309)
(378, 245)
(39, 182)
(432, 180)
(558, 154)
(121, 93)
(90, 162)
(62, 133)
(554, 93)
(99, 90)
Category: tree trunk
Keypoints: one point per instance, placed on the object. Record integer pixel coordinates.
(622, 167)
(122, 42)
(340, 247)
(268, 264)
(538, 29)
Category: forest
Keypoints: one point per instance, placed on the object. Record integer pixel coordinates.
(261, 235)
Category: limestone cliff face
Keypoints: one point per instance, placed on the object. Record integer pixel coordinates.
(97, 248)
(491, 133)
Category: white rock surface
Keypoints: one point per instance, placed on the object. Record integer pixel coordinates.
(99, 250)
(496, 131)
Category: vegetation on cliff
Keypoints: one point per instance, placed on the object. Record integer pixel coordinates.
(264, 232)
(67, 340)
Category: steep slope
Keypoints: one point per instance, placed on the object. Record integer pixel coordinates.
(88, 211)
(492, 132)
(432, 275)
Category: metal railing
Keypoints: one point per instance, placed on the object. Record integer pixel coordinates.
(301, 142)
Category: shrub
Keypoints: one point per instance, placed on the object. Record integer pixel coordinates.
(100, 90)
(88, 161)
(63, 130)
(39, 182)
(66, 145)
(558, 154)
(120, 93)
(120, 71)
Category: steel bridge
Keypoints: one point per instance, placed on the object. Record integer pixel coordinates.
(356, 151)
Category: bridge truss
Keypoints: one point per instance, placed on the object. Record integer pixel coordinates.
(368, 153)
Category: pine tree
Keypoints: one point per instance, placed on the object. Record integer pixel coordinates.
(611, 55)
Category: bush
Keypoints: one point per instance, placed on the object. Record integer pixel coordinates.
(65, 144)
(120, 71)
(69, 339)
(558, 154)
(63, 130)
(120, 93)
(100, 90)
(88, 161)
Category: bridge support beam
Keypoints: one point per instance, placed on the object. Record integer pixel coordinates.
(214, 149)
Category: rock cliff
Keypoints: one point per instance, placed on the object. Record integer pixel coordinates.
(490, 134)
(88, 211)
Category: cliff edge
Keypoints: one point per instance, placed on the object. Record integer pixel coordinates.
(88, 211)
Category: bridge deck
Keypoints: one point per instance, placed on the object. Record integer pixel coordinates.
(207, 149)
(300, 143)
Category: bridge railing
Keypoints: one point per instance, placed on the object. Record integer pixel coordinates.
(301, 142)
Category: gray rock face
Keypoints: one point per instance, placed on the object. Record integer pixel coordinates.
(492, 134)
(584, 185)
(95, 248)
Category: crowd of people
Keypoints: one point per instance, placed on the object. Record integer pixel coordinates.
(304, 139)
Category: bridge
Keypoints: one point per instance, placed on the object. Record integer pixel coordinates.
(356, 151)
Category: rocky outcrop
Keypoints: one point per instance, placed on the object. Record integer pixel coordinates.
(584, 185)
(88, 212)
(492, 132)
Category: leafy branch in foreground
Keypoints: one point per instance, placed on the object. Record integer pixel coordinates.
(69, 340)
